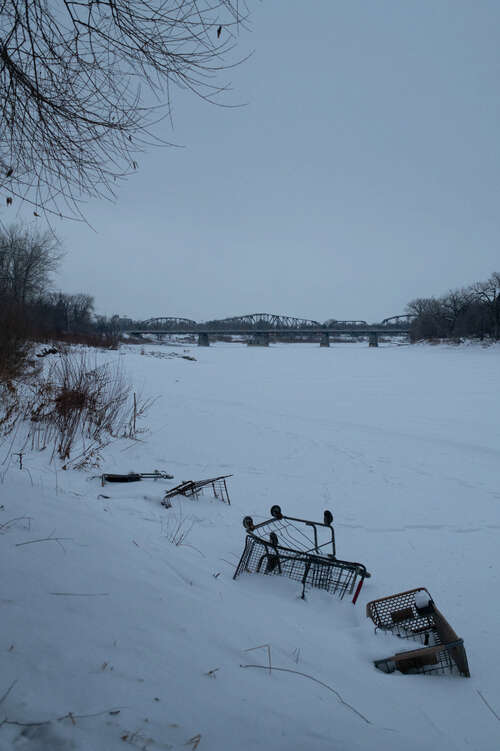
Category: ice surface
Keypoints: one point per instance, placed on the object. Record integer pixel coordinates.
(401, 443)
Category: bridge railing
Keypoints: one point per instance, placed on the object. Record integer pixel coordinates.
(269, 323)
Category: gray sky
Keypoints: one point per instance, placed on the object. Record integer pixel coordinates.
(363, 171)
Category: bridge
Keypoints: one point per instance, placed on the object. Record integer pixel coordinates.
(260, 326)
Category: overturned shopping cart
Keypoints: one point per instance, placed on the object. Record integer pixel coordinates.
(195, 488)
(413, 615)
(301, 549)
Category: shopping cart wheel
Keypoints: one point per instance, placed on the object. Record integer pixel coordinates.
(248, 522)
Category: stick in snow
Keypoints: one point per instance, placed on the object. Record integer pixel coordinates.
(325, 685)
(5, 695)
(488, 705)
(43, 539)
(80, 594)
(263, 646)
(15, 519)
(68, 716)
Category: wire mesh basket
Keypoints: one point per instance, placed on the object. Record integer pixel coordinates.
(195, 488)
(440, 658)
(302, 550)
(414, 615)
(399, 614)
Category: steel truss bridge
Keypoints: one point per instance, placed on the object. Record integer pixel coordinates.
(259, 326)
(403, 320)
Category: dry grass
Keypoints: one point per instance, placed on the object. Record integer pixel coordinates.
(74, 407)
(100, 340)
(176, 528)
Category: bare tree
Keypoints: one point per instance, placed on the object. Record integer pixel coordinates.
(429, 321)
(27, 260)
(489, 294)
(82, 82)
(454, 305)
(67, 313)
(470, 311)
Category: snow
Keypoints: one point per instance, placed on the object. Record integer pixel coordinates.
(422, 599)
(115, 621)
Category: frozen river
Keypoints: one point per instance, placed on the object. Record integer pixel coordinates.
(401, 443)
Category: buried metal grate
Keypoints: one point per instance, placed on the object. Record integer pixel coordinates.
(195, 488)
(414, 615)
(439, 659)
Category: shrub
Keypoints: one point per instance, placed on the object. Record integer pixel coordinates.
(13, 345)
(75, 407)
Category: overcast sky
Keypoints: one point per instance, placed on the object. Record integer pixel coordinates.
(362, 172)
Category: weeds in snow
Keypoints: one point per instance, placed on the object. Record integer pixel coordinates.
(74, 407)
(5, 526)
(177, 528)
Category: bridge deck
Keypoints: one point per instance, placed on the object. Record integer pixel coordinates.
(279, 332)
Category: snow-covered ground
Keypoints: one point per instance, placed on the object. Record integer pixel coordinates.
(116, 630)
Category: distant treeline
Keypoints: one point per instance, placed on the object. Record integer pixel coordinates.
(30, 311)
(472, 311)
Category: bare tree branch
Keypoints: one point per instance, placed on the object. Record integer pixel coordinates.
(28, 259)
(84, 82)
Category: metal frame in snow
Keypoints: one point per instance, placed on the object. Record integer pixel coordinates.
(301, 549)
(193, 488)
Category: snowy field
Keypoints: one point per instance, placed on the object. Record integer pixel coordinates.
(116, 637)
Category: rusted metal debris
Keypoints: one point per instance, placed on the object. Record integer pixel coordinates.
(194, 488)
(414, 615)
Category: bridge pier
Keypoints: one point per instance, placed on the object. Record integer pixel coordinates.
(259, 340)
(261, 337)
